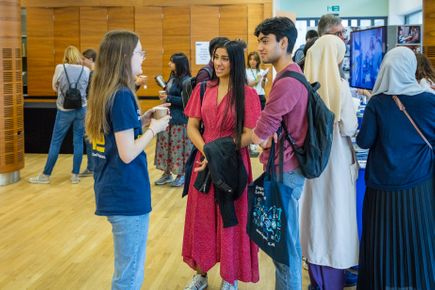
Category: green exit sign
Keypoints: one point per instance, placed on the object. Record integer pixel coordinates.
(333, 8)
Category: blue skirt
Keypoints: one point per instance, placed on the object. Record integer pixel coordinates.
(398, 238)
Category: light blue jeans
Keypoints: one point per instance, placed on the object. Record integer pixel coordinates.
(64, 120)
(290, 277)
(130, 235)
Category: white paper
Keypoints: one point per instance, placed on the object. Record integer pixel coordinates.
(202, 55)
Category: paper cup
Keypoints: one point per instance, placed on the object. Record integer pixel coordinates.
(160, 112)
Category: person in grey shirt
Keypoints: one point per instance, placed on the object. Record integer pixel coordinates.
(78, 76)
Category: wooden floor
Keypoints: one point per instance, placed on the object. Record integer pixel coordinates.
(51, 239)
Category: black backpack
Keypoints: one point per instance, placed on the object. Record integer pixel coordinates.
(73, 97)
(314, 154)
(189, 84)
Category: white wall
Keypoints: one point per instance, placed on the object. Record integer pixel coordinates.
(399, 8)
(348, 8)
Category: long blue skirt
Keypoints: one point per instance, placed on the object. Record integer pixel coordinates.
(398, 238)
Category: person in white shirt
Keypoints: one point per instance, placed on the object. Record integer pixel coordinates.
(256, 76)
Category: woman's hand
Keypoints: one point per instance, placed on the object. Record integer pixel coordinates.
(141, 80)
(146, 117)
(202, 165)
(163, 95)
(159, 125)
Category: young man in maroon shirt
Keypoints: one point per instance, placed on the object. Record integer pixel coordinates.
(287, 102)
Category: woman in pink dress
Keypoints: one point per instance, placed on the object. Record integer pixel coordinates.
(229, 108)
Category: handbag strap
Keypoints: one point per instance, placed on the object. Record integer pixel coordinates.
(270, 167)
(403, 109)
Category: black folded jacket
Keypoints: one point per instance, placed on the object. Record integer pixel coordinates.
(228, 175)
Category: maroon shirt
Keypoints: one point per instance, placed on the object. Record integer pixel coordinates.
(203, 74)
(287, 101)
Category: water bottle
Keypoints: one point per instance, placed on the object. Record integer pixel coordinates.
(160, 81)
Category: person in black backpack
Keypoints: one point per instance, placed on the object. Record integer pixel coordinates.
(329, 233)
(287, 103)
(70, 80)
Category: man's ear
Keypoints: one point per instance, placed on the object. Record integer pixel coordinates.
(283, 43)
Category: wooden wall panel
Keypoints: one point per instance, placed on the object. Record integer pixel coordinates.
(120, 18)
(255, 12)
(66, 30)
(267, 9)
(178, 31)
(176, 21)
(93, 26)
(204, 26)
(234, 21)
(429, 29)
(148, 25)
(40, 52)
(176, 34)
(114, 3)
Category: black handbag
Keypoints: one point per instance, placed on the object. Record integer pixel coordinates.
(267, 218)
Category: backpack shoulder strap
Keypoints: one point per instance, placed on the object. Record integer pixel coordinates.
(80, 75)
(203, 88)
(300, 77)
(208, 70)
(66, 74)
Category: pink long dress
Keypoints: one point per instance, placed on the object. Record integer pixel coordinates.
(205, 241)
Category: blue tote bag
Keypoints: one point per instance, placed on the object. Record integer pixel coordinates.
(267, 219)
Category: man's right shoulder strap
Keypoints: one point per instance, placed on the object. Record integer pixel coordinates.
(208, 70)
(203, 87)
(300, 77)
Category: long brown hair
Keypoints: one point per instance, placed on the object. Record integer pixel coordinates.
(112, 71)
(424, 68)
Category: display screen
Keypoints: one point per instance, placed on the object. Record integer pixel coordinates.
(367, 49)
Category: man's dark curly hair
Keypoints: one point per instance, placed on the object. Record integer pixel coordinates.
(280, 27)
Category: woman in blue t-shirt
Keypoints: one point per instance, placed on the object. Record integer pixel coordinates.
(114, 125)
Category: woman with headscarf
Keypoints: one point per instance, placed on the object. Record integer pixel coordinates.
(329, 235)
(397, 243)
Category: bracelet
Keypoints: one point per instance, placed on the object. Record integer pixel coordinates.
(152, 131)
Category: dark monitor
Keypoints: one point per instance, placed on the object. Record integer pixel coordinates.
(367, 49)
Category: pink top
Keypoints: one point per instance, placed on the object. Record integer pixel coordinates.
(205, 241)
(287, 101)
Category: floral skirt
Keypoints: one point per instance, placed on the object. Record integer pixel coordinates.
(172, 149)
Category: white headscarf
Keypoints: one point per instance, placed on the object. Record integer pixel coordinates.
(321, 65)
(397, 74)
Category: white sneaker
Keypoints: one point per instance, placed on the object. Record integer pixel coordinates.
(75, 178)
(40, 179)
(198, 283)
(227, 286)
